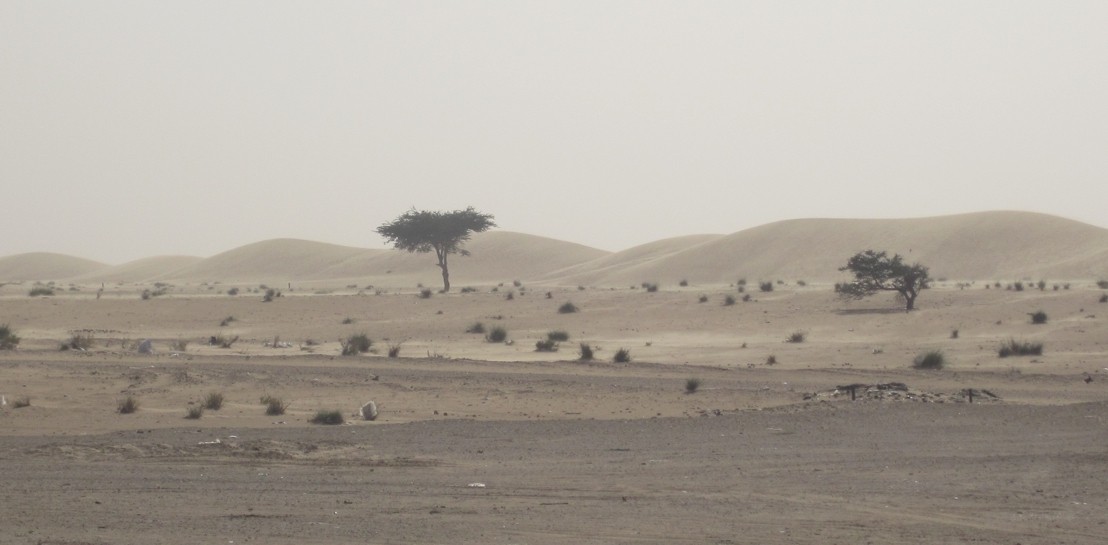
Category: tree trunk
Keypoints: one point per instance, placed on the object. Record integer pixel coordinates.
(445, 273)
(910, 301)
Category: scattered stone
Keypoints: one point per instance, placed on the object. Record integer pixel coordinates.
(369, 411)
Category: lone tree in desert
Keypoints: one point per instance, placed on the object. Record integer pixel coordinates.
(875, 271)
(444, 232)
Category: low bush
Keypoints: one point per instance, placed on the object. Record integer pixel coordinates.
(425, 293)
(21, 402)
(702, 299)
(728, 300)
(469, 289)
(623, 355)
(477, 327)
(650, 287)
(683, 283)
(270, 295)
(222, 341)
(78, 342)
(584, 352)
(356, 344)
(328, 417)
(1016, 348)
(1104, 298)
(497, 335)
(226, 321)
(796, 337)
(1038, 317)
(765, 286)
(929, 360)
(274, 405)
(771, 360)
(692, 385)
(546, 345)
(558, 336)
(233, 291)
(194, 412)
(8, 339)
(213, 401)
(954, 334)
(394, 351)
(127, 405)
(567, 308)
(38, 291)
(347, 321)
(179, 345)
(1102, 284)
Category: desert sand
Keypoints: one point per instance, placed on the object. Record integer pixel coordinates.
(495, 442)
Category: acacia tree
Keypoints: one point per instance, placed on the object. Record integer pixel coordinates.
(444, 232)
(876, 271)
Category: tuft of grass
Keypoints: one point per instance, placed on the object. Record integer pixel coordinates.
(394, 351)
(327, 417)
(226, 321)
(469, 289)
(348, 320)
(558, 336)
(929, 360)
(78, 342)
(683, 283)
(692, 385)
(356, 344)
(213, 401)
(765, 286)
(21, 402)
(180, 345)
(702, 299)
(497, 335)
(1104, 298)
(1038, 317)
(127, 405)
(584, 352)
(546, 345)
(509, 296)
(727, 301)
(8, 339)
(650, 287)
(425, 293)
(1102, 284)
(270, 295)
(1016, 348)
(477, 327)
(233, 292)
(623, 355)
(274, 405)
(771, 360)
(796, 337)
(194, 412)
(954, 334)
(567, 308)
(222, 341)
(41, 291)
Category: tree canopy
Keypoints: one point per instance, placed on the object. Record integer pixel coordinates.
(422, 231)
(876, 271)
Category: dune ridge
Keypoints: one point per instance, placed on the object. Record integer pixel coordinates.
(1000, 245)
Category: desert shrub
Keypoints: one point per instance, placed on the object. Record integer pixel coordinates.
(1018, 286)
(1041, 285)
(213, 401)
(801, 283)
(796, 337)
(1016, 348)
(684, 283)
(1038, 317)
(771, 360)
(41, 291)
(546, 345)
(477, 327)
(1102, 284)
(270, 295)
(425, 293)
(1104, 298)
(127, 405)
(497, 335)
(8, 339)
(222, 341)
(558, 336)
(194, 412)
(746, 297)
(623, 355)
(226, 321)
(584, 352)
(765, 286)
(356, 344)
(233, 291)
(347, 321)
(179, 345)
(692, 385)
(274, 405)
(509, 296)
(394, 350)
(567, 308)
(728, 300)
(650, 287)
(328, 417)
(742, 289)
(21, 402)
(742, 282)
(929, 360)
(78, 342)
(702, 299)
(954, 334)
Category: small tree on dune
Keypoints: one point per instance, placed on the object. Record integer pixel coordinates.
(444, 232)
(876, 271)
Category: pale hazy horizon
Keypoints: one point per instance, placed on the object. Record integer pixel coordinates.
(134, 129)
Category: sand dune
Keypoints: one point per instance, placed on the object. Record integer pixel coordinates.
(980, 246)
(44, 266)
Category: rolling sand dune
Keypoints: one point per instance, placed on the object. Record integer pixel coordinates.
(148, 269)
(270, 260)
(45, 266)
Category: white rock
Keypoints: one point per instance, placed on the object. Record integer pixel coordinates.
(369, 411)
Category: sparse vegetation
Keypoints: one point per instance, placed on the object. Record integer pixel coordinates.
(348, 320)
(78, 342)
(394, 351)
(797, 337)
(41, 291)
(1038, 317)
(179, 345)
(546, 345)
(425, 293)
(1104, 298)
(728, 300)
(1102, 284)
(477, 327)
(274, 405)
(127, 405)
(270, 295)
(213, 401)
(194, 412)
(226, 321)
(328, 417)
(702, 299)
(444, 233)
(558, 336)
(1016, 348)
(746, 297)
(692, 385)
(21, 402)
(875, 271)
(765, 286)
(497, 335)
(222, 341)
(509, 296)
(683, 283)
(567, 308)
(954, 334)
(771, 360)
(8, 339)
(584, 352)
(233, 292)
(933, 359)
(469, 289)
(650, 287)
(623, 355)
(356, 344)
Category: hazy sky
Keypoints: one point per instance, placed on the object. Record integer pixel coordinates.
(131, 129)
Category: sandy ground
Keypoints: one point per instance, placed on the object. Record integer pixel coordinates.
(566, 451)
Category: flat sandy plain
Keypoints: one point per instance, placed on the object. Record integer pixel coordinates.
(564, 451)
